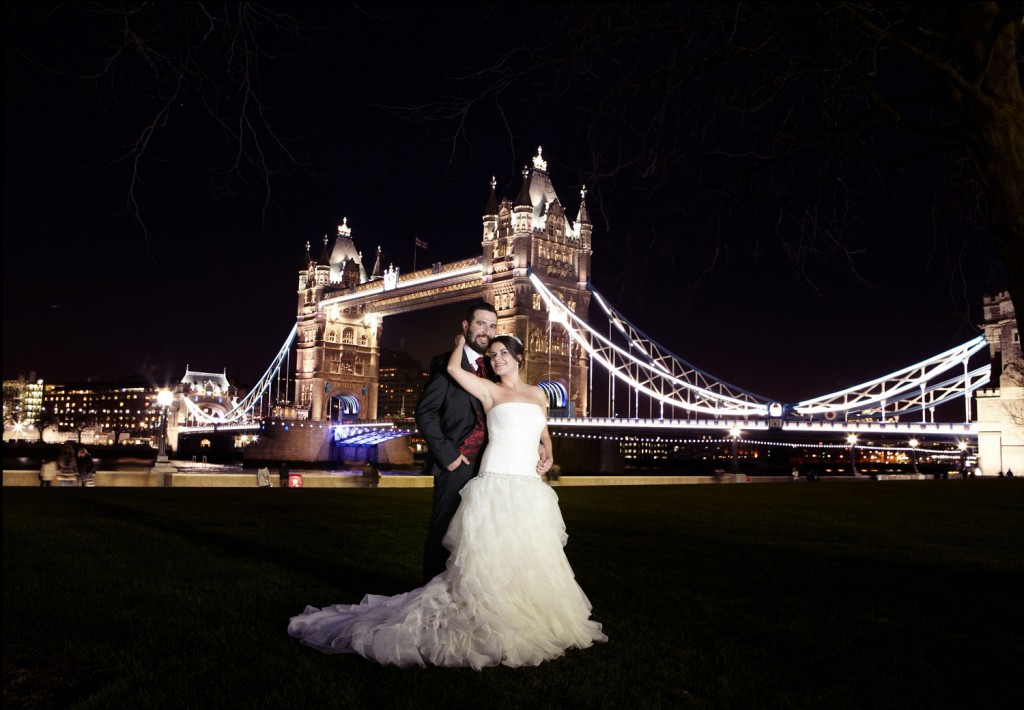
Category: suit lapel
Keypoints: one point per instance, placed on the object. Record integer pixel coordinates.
(469, 366)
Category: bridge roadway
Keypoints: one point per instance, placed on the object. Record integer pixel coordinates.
(969, 429)
(389, 429)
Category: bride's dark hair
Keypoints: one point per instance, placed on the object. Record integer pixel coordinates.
(514, 346)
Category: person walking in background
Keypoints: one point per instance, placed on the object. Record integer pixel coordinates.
(47, 474)
(263, 477)
(67, 467)
(86, 469)
(282, 474)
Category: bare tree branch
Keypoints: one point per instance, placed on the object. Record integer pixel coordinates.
(152, 63)
(750, 107)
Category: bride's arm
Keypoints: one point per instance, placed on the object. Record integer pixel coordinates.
(544, 456)
(479, 387)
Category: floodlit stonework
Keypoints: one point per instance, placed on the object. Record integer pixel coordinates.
(1000, 410)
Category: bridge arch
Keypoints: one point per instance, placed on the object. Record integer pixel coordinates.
(558, 395)
(343, 407)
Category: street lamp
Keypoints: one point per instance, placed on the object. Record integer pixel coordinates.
(962, 445)
(735, 434)
(913, 445)
(852, 441)
(164, 399)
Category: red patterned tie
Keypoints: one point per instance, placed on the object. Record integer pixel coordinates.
(475, 441)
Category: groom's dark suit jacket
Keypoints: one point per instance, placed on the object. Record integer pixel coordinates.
(445, 416)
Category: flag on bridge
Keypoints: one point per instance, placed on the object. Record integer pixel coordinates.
(420, 244)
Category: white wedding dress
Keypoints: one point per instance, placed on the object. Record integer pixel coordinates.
(508, 594)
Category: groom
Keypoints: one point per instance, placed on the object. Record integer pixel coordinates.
(452, 422)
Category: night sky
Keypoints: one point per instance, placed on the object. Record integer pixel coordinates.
(205, 277)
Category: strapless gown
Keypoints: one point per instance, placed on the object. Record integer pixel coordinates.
(508, 594)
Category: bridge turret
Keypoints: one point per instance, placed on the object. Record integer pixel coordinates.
(322, 275)
(584, 229)
(308, 283)
(304, 276)
(490, 219)
(491, 211)
(523, 206)
(378, 266)
(325, 253)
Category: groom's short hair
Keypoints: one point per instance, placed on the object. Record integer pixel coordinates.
(479, 306)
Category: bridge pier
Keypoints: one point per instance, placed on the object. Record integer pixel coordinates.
(313, 442)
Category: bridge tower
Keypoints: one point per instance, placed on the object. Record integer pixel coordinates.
(338, 347)
(533, 234)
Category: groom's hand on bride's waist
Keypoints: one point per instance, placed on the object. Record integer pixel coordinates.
(543, 460)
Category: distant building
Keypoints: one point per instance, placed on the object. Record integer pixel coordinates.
(115, 411)
(1000, 414)
(23, 409)
(109, 412)
(205, 394)
(401, 380)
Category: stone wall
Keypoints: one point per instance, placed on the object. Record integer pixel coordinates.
(283, 440)
(1000, 433)
(312, 442)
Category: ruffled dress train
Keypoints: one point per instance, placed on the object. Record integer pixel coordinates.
(508, 594)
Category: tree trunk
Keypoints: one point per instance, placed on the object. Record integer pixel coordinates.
(994, 129)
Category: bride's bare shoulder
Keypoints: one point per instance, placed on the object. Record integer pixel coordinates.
(540, 396)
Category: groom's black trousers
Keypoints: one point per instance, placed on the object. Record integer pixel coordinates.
(447, 486)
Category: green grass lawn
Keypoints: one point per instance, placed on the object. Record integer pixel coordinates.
(832, 595)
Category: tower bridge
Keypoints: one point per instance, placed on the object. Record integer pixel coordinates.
(534, 267)
(342, 308)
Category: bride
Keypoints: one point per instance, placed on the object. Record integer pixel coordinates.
(508, 594)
